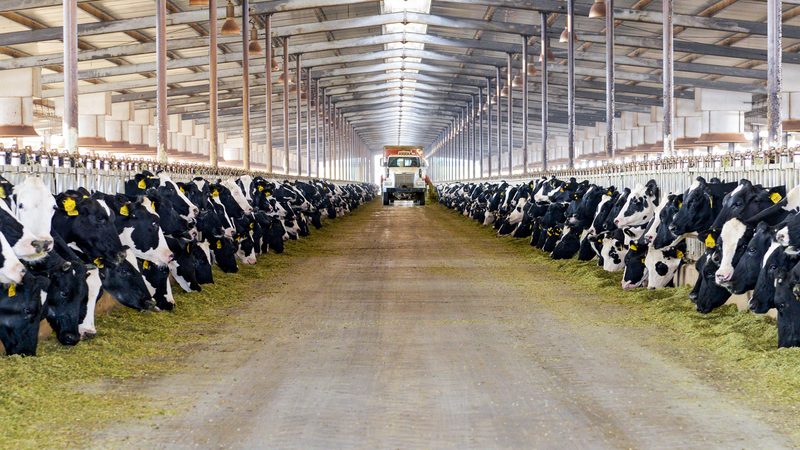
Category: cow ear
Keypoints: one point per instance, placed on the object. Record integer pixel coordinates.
(66, 266)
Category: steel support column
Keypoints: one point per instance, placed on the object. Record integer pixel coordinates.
(510, 125)
(499, 122)
(525, 105)
(610, 79)
(269, 53)
(489, 126)
(298, 112)
(774, 73)
(571, 82)
(545, 50)
(161, 76)
(668, 62)
(213, 98)
(245, 85)
(308, 122)
(480, 132)
(317, 110)
(286, 105)
(69, 124)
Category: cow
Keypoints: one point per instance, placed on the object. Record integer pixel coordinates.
(640, 206)
(788, 305)
(21, 313)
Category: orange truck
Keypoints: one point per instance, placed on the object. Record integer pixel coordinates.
(404, 176)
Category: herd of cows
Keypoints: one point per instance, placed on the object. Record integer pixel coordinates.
(751, 234)
(59, 253)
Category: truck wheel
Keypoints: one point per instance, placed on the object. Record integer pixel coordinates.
(385, 199)
(422, 199)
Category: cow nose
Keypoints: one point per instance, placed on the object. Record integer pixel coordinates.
(170, 257)
(648, 238)
(616, 221)
(42, 245)
(68, 338)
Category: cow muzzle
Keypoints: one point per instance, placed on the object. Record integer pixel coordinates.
(42, 246)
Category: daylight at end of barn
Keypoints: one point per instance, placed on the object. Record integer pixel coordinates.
(399, 224)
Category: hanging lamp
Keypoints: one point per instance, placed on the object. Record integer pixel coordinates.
(231, 26)
(598, 9)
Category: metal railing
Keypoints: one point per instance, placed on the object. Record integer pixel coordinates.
(63, 171)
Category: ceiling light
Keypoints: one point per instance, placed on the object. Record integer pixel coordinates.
(598, 9)
(550, 55)
(275, 65)
(254, 47)
(504, 91)
(198, 2)
(517, 81)
(531, 69)
(231, 26)
(565, 37)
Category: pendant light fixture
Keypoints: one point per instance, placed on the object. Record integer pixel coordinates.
(231, 26)
(598, 9)
(550, 55)
(504, 91)
(254, 47)
(198, 2)
(532, 70)
(517, 81)
(275, 65)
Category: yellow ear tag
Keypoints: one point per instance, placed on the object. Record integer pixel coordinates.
(123, 211)
(188, 248)
(98, 262)
(680, 204)
(154, 205)
(2, 192)
(633, 247)
(145, 264)
(775, 197)
(609, 193)
(219, 245)
(562, 190)
(268, 194)
(678, 254)
(710, 242)
(261, 189)
(252, 225)
(711, 202)
(69, 207)
(12, 290)
(215, 193)
(183, 191)
(142, 184)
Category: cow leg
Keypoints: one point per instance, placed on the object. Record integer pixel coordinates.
(86, 328)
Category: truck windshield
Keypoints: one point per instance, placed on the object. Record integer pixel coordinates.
(403, 162)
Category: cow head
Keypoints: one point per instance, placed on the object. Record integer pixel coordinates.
(747, 200)
(639, 206)
(787, 302)
(139, 230)
(710, 295)
(34, 208)
(613, 250)
(124, 282)
(663, 264)
(659, 233)
(745, 273)
(20, 314)
(763, 296)
(732, 244)
(696, 210)
(172, 192)
(87, 223)
(224, 250)
(67, 293)
(635, 273)
(182, 266)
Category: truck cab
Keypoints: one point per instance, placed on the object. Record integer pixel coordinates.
(404, 176)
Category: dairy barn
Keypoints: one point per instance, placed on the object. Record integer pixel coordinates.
(400, 224)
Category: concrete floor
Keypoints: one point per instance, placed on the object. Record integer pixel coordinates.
(403, 335)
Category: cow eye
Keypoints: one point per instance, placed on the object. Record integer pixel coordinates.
(20, 206)
(751, 250)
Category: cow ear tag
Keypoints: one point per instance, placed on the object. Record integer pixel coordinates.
(252, 225)
(219, 245)
(215, 193)
(633, 247)
(261, 189)
(142, 184)
(775, 197)
(710, 202)
(12, 290)
(679, 254)
(98, 262)
(70, 207)
(183, 191)
(123, 211)
(2, 192)
(710, 241)
(145, 264)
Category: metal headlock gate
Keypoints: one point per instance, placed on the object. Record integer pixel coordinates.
(62, 171)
